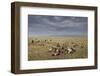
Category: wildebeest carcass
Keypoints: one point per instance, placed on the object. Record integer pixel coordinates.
(70, 50)
(55, 51)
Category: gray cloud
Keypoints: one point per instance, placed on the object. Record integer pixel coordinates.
(57, 25)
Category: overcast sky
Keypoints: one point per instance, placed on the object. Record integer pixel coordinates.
(41, 25)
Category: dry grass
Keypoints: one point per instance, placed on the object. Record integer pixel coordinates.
(39, 51)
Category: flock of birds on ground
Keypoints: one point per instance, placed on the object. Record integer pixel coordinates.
(59, 49)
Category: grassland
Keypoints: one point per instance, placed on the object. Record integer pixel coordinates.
(38, 49)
